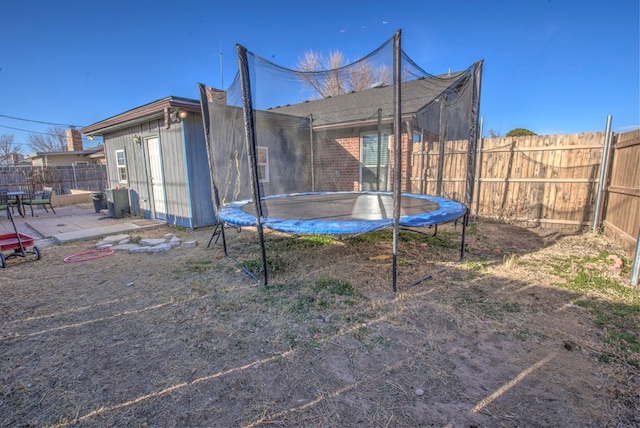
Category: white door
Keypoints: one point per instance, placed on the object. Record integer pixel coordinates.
(156, 179)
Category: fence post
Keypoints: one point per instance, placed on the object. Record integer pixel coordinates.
(75, 177)
(441, 143)
(478, 170)
(635, 272)
(604, 172)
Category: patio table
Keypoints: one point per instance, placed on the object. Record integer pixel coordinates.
(18, 196)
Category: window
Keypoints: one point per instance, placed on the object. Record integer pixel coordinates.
(121, 163)
(369, 165)
(416, 137)
(263, 164)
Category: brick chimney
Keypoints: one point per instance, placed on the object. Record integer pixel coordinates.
(216, 96)
(74, 140)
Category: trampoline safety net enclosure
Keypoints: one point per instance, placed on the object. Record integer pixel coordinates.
(328, 151)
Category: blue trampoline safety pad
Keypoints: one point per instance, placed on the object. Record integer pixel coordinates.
(341, 212)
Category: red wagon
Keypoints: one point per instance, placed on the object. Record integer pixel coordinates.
(19, 244)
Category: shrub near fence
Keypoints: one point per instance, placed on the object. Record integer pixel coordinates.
(61, 178)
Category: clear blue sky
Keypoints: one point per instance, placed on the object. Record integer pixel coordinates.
(551, 66)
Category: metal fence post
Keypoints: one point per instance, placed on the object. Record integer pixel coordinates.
(602, 180)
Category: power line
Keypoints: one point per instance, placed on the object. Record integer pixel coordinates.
(39, 121)
(32, 132)
(27, 130)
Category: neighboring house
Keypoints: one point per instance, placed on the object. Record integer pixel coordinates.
(76, 157)
(11, 159)
(158, 153)
(73, 156)
(98, 156)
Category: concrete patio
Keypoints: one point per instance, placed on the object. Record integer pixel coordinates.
(70, 223)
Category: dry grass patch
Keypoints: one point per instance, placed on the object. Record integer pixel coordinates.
(532, 329)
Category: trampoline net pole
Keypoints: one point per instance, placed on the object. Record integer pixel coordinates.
(397, 142)
(206, 122)
(379, 149)
(475, 132)
(250, 139)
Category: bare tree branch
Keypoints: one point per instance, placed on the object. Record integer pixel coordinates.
(329, 77)
(492, 133)
(56, 141)
(8, 148)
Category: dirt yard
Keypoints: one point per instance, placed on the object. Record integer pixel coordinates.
(533, 329)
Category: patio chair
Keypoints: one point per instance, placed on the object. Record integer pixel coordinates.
(4, 201)
(42, 198)
(7, 202)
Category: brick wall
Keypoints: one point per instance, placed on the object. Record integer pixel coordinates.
(337, 163)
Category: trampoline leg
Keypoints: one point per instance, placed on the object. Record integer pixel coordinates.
(424, 278)
(216, 234)
(464, 232)
(218, 231)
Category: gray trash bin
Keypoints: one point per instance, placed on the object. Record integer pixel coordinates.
(117, 202)
(99, 201)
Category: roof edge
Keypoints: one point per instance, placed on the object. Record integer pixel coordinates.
(141, 114)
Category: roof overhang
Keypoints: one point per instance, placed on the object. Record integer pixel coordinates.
(155, 110)
(87, 152)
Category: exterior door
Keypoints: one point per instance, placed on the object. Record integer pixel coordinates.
(156, 180)
(369, 178)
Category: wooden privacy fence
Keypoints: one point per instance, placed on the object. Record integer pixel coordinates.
(433, 174)
(541, 180)
(61, 178)
(547, 181)
(622, 203)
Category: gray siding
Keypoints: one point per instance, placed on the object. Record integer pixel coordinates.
(175, 176)
(136, 171)
(184, 164)
(199, 174)
(136, 164)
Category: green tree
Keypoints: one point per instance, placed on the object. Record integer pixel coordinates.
(520, 132)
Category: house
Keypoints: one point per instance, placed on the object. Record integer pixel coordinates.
(345, 142)
(13, 158)
(157, 152)
(74, 155)
(77, 157)
(347, 127)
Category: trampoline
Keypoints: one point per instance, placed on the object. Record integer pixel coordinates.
(277, 140)
(342, 212)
